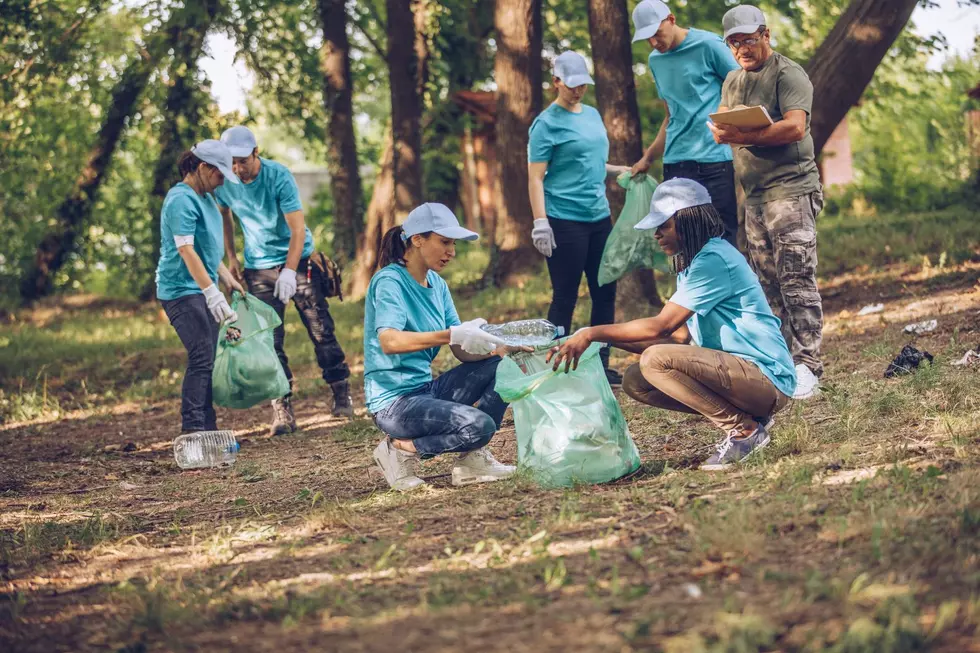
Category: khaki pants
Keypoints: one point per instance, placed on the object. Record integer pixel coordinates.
(728, 390)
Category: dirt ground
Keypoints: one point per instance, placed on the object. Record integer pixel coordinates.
(856, 531)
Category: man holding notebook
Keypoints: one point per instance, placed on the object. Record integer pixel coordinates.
(689, 66)
(775, 165)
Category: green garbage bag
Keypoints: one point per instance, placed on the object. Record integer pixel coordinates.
(626, 248)
(570, 428)
(246, 368)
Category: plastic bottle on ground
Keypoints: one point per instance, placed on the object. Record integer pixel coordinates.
(205, 449)
(526, 333)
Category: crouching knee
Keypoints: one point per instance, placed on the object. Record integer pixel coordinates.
(479, 432)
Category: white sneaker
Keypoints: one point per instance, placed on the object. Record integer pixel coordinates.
(479, 466)
(807, 384)
(397, 466)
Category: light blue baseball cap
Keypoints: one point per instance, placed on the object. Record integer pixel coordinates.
(436, 217)
(571, 68)
(647, 17)
(217, 154)
(240, 140)
(669, 198)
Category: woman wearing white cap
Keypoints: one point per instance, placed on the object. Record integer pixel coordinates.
(408, 315)
(739, 371)
(568, 152)
(191, 248)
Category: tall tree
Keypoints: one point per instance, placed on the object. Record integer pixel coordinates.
(517, 71)
(612, 58)
(338, 92)
(406, 102)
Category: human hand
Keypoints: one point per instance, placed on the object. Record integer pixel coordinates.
(570, 350)
(640, 167)
(543, 237)
(506, 350)
(285, 285)
(725, 134)
(235, 268)
(218, 305)
(474, 340)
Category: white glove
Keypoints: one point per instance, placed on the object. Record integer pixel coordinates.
(218, 305)
(543, 237)
(472, 339)
(285, 285)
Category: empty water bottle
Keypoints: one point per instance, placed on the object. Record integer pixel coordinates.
(526, 333)
(205, 449)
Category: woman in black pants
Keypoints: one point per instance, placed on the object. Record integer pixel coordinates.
(567, 153)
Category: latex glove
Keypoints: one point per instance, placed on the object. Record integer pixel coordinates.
(285, 285)
(543, 237)
(472, 339)
(218, 305)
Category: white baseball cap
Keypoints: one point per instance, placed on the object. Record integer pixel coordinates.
(743, 19)
(240, 140)
(670, 197)
(571, 68)
(647, 17)
(436, 217)
(217, 154)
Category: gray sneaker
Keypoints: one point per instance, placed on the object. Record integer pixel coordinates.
(734, 449)
(397, 466)
(283, 419)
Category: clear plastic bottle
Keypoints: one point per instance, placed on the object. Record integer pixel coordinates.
(526, 333)
(205, 449)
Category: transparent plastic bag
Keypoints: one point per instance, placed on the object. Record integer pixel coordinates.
(570, 428)
(247, 370)
(627, 248)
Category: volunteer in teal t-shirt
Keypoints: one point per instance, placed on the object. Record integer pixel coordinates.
(278, 250)
(689, 67)
(190, 266)
(738, 372)
(408, 315)
(568, 152)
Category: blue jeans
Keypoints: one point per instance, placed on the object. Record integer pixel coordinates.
(198, 332)
(440, 417)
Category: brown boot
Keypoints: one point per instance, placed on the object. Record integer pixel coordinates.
(342, 404)
(283, 420)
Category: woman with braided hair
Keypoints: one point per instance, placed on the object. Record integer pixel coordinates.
(715, 349)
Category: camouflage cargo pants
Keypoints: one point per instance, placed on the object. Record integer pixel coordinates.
(782, 242)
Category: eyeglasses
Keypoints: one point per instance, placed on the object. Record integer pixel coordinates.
(749, 42)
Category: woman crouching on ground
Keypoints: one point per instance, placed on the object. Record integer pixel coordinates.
(738, 372)
(408, 315)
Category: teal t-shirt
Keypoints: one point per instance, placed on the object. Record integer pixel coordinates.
(261, 206)
(395, 300)
(689, 80)
(576, 148)
(185, 213)
(731, 313)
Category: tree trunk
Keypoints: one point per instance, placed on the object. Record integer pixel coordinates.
(517, 71)
(380, 217)
(857, 44)
(406, 104)
(345, 179)
(182, 119)
(612, 57)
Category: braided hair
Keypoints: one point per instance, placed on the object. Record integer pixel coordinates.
(695, 226)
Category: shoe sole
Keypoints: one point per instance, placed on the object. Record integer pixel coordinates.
(282, 430)
(460, 481)
(717, 467)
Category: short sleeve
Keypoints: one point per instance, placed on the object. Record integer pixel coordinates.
(540, 142)
(451, 316)
(287, 192)
(721, 59)
(219, 196)
(389, 306)
(703, 285)
(726, 91)
(181, 216)
(794, 90)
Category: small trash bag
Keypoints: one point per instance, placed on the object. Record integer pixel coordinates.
(570, 428)
(246, 368)
(626, 248)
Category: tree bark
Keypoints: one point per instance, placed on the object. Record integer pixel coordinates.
(612, 56)
(517, 71)
(406, 103)
(380, 217)
(345, 178)
(843, 65)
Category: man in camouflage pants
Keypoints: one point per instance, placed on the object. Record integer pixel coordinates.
(783, 195)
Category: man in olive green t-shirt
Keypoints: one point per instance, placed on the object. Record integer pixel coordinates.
(777, 170)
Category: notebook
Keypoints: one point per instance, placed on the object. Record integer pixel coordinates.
(745, 117)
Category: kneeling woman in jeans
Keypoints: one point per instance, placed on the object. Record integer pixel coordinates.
(408, 315)
(738, 372)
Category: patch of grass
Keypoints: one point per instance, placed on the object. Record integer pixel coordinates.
(35, 541)
(359, 430)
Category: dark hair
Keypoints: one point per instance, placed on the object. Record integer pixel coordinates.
(393, 248)
(188, 163)
(695, 226)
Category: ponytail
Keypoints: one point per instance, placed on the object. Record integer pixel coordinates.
(187, 163)
(392, 248)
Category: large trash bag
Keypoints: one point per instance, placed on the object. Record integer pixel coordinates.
(627, 248)
(246, 368)
(570, 428)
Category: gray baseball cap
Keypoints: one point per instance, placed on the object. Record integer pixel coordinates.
(669, 198)
(743, 19)
(436, 217)
(217, 154)
(240, 140)
(647, 17)
(571, 68)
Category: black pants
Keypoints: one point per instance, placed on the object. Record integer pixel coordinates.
(313, 311)
(579, 249)
(719, 180)
(198, 332)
